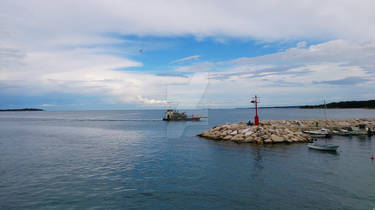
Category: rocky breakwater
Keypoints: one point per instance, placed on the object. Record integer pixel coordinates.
(279, 131)
(266, 133)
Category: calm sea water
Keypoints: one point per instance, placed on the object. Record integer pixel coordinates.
(133, 160)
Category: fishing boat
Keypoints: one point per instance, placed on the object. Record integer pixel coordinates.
(322, 133)
(174, 115)
(323, 147)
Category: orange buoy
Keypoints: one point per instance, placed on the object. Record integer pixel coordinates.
(372, 157)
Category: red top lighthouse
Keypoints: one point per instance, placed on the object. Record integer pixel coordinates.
(256, 101)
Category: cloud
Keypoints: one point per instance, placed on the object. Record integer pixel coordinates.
(86, 71)
(47, 105)
(337, 69)
(68, 47)
(190, 58)
(338, 51)
(263, 20)
(345, 81)
(301, 44)
(199, 67)
(291, 75)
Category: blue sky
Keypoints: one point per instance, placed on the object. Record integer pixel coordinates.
(70, 55)
(157, 54)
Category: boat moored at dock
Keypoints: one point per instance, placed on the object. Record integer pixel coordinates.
(322, 133)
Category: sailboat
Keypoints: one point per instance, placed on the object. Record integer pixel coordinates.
(323, 147)
(322, 133)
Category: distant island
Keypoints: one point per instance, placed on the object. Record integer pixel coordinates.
(20, 110)
(370, 104)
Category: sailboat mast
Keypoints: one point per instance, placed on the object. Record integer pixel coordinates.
(325, 110)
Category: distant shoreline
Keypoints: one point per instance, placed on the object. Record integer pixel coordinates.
(370, 104)
(338, 108)
(303, 107)
(21, 110)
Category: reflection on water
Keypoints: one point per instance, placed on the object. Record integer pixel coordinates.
(258, 163)
(325, 152)
(97, 159)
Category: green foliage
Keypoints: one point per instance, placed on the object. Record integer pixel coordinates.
(370, 104)
(20, 110)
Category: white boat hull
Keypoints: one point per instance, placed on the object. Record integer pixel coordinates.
(324, 147)
(323, 133)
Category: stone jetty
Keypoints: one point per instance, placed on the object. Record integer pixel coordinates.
(279, 131)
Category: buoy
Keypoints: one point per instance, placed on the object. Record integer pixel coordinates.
(372, 157)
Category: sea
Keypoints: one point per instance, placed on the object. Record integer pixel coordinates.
(131, 159)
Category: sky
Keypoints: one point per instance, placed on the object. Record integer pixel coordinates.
(85, 55)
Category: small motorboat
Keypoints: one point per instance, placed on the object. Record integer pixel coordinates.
(342, 132)
(322, 133)
(323, 147)
(353, 132)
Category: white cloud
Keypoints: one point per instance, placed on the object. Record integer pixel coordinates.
(47, 105)
(199, 67)
(301, 44)
(185, 59)
(44, 48)
(85, 71)
(259, 19)
(350, 52)
(334, 70)
(292, 75)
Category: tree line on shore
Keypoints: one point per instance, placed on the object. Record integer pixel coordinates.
(20, 110)
(370, 104)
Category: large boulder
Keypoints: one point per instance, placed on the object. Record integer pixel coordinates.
(217, 128)
(289, 140)
(234, 126)
(249, 139)
(277, 139)
(213, 136)
(259, 140)
(248, 133)
(237, 138)
(268, 141)
(234, 132)
(294, 139)
(228, 137)
(205, 134)
(245, 130)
